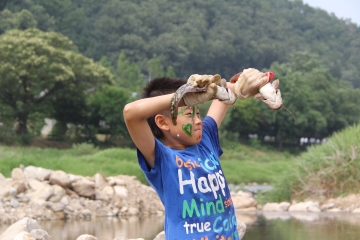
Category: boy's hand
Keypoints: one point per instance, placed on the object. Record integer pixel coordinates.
(198, 81)
(202, 80)
(216, 88)
(248, 83)
(271, 95)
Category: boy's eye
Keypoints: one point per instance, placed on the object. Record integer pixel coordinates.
(190, 112)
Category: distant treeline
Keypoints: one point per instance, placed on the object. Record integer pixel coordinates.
(315, 55)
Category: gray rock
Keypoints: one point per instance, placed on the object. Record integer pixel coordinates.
(24, 225)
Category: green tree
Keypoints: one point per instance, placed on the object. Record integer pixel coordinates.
(35, 65)
(7, 20)
(129, 75)
(312, 94)
(25, 20)
(245, 117)
(155, 68)
(170, 72)
(107, 105)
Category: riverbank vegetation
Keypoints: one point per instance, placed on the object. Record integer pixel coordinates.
(241, 164)
(324, 171)
(79, 63)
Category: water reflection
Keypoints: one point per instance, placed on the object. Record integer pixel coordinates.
(103, 228)
(300, 226)
(261, 226)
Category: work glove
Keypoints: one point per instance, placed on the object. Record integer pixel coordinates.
(249, 82)
(270, 95)
(208, 87)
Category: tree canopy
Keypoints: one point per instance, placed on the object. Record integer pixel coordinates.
(49, 49)
(36, 65)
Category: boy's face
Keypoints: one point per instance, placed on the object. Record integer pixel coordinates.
(189, 126)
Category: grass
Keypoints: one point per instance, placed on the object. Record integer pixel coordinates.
(109, 162)
(323, 171)
(241, 164)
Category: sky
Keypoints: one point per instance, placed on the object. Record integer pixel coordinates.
(344, 9)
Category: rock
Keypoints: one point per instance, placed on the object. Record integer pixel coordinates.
(40, 234)
(116, 181)
(327, 206)
(104, 194)
(24, 236)
(84, 187)
(160, 236)
(19, 185)
(241, 228)
(86, 237)
(243, 202)
(24, 225)
(2, 178)
(100, 181)
(36, 184)
(57, 193)
(60, 178)
(56, 207)
(132, 211)
(276, 207)
(356, 210)
(37, 173)
(17, 174)
(7, 190)
(305, 207)
(121, 192)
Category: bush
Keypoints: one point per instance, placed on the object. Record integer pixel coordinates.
(324, 171)
(82, 149)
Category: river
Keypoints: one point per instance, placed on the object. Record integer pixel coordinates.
(260, 226)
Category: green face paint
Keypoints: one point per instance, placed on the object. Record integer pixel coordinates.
(187, 129)
(193, 111)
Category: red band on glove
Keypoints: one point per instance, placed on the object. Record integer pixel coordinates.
(271, 75)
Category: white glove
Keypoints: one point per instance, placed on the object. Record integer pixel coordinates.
(224, 94)
(270, 95)
(199, 81)
(249, 82)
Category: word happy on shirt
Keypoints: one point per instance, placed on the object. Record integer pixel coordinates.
(212, 183)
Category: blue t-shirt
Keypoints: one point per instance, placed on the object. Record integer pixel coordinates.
(193, 189)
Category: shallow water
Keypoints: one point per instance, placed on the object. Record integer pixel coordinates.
(261, 226)
(303, 226)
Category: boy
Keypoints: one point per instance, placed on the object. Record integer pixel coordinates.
(182, 162)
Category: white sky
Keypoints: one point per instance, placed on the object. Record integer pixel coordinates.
(344, 9)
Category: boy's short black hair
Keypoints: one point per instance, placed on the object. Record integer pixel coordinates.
(158, 87)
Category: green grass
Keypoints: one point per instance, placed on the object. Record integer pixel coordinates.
(241, 164)
(323, 171)
(109, 162)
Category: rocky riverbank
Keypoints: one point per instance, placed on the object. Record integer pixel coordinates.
(34, 193)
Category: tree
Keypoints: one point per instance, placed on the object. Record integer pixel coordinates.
(128, 74)
(170, 72)
(35, 65)
(155, 68)
(107, 105)
(244, 117)
(313, 95)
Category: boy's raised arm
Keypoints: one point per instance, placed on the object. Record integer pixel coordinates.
(135, 115)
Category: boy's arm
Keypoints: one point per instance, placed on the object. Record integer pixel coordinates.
(135, 115)
(219, 109)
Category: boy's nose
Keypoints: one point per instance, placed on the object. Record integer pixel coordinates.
(197, 119)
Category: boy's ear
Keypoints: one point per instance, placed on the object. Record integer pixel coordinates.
(162, 122)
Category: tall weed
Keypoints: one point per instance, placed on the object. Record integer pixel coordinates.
(328, 170)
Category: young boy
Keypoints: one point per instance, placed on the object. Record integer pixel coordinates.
(182, 161)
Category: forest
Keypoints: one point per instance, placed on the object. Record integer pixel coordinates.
(81, 61)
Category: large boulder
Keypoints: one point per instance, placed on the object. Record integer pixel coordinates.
(23, 225)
